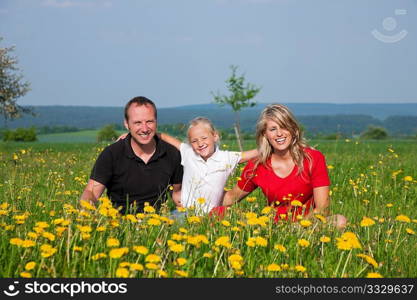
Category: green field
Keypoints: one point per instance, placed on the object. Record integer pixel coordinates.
(45, 233)
(84, 136)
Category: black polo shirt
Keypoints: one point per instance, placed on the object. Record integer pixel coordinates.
(128, 179)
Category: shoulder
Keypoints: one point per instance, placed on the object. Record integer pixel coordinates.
(313, 153)
(170, 150)
(115, 149)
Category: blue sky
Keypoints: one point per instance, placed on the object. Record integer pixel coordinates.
(104, 52)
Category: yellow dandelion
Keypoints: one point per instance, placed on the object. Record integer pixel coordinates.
(99, 256)
(410, 231)
(136, 267)
(223, 241)
(273, 268)
(154, 222)
(77, 248)
(30, 266)
(151, 266)
(225, 223)
(25, 275)
(389, 205)
(374, 275)
(368, 259)
(300, 268)
(320, 217)
(181, 273)
(141, 250)
(152, 258)
(193, 220)
(118, 252)
(403, 218)
(113, 242)
(280, 248)
(16, 241)
(207, 255)
(366, 222)
(181, 261)
(201, 200)
(260, 241)
(177, 248)
(305, 223)
(303, 243)
(122, 273)
(348, 241)
(162, 273)
(266, 210)
(28, 243)
(324, 239)
(408, 178)
(296, 203)
(149, 209)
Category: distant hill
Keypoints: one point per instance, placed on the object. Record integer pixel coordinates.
(399, 119)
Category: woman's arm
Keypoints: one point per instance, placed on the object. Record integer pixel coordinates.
(248, 155)
(170, 140)
(321, 199)
(233, 196)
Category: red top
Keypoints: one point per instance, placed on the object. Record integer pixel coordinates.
(293, 187)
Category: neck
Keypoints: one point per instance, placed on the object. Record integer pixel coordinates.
(282, 155)
(143, 149)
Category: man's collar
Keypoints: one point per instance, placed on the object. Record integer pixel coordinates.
(159, 145)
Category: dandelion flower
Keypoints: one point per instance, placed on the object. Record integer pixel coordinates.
(141, 249)
(136, 267)
(118, 252)
(181, 261)
(181, 273)
(25, 275)
(305, 223)
(280, 248)
(403, 218)
(300, 268)
(410, 231)
(122, 273)
(193, 220)
(303, 243)
(151, 266)
(366, 222)
(30, 266)
(324, 239)
(273, 268)
(153, 258)
(177, 248)
(373, 275)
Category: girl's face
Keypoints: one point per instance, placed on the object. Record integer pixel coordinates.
(279, 138)
(202, 140)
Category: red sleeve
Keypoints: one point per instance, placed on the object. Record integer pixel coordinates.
(246, 182)
(319, 174)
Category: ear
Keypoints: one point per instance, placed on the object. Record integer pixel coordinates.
(126, 125)
(216, 136)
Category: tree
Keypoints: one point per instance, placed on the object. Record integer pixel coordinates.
(107, 133)
(241, 96)
(375, 133)
(11, 86)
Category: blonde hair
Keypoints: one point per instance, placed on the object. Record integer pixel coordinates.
(281, 115)
(202, 120)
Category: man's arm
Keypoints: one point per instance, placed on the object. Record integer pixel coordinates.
(233, 196)
(176, 194)
(92, 191)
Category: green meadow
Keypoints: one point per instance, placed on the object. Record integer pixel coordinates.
(45, 232)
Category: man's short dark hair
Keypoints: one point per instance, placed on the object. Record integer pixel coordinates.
(139, 101)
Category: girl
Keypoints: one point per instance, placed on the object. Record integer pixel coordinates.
(206, 167)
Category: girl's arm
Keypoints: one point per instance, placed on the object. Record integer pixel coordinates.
(248, 155)
(233, 196)
(170, 140)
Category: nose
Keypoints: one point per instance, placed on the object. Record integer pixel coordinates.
(279, 131)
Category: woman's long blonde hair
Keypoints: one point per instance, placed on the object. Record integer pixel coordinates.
(281, 115)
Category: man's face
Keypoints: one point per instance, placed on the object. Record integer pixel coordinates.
(142, 123)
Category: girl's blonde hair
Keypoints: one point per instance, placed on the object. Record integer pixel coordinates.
(202, 120)
(281, 115)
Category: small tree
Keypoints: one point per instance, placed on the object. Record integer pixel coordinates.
(240, 97)
(11, 86)
(107, 133)
(375, 133)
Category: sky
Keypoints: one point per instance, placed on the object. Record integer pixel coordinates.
(105, 52)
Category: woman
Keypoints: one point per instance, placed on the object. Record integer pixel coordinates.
(286, 169)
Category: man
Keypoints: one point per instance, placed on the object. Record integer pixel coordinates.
(139, 168)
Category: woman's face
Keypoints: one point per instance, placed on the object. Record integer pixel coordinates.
(279, 138)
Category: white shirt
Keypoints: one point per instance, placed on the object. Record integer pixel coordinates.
(205, 179)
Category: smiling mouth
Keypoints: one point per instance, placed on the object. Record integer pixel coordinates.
(144, 134)
(281, 140)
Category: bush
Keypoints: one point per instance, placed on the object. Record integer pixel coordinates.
(20, 135)
(375, 133)
(107, 133)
